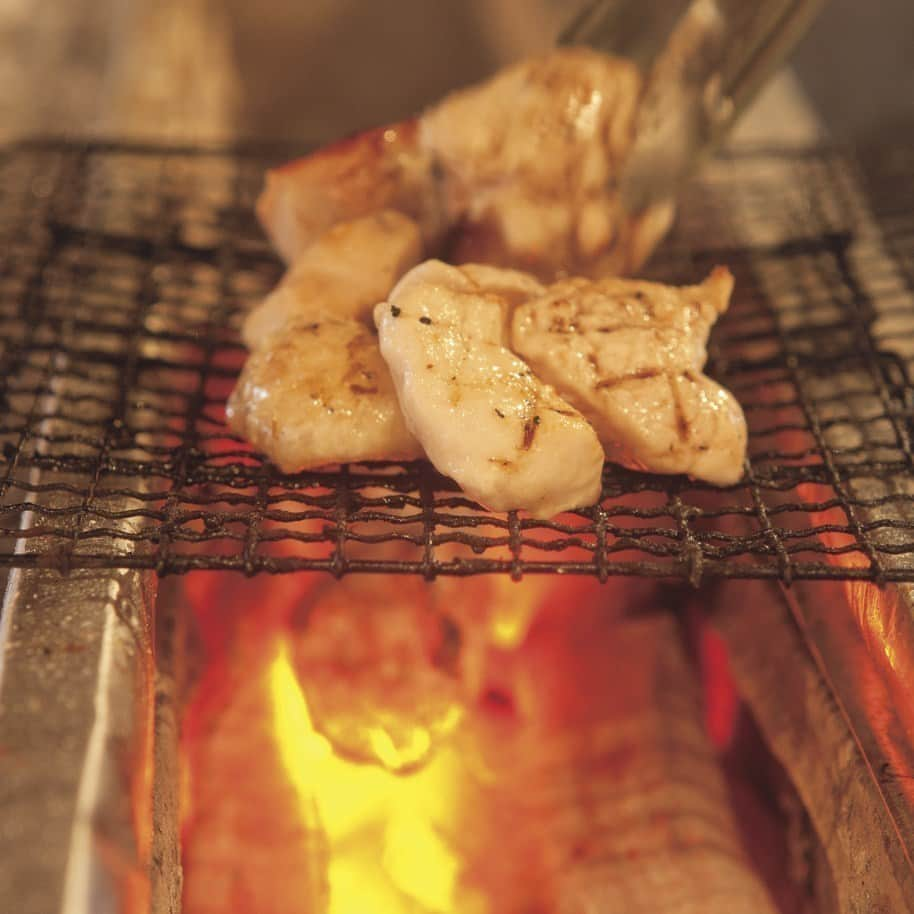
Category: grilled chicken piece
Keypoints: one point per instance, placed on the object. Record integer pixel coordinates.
(319, 393)
(520, 171)
(343, 274)
(372, 171)
(482, 416)
(531, 161)
(630, 356)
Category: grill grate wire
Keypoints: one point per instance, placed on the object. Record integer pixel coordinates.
(124, 273)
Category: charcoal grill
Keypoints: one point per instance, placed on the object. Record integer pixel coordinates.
(124, 273)
(126, 270)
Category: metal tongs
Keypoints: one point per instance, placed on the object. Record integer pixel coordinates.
(703, 60)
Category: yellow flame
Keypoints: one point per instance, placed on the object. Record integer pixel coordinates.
(386, 849)
(512, 611)
(299, 744)
(394, 758)
(419, 861)
(871, 607)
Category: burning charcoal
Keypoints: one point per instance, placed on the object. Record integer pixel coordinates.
(570, 769)
(602, 793)
(831, 752)
(365, 658)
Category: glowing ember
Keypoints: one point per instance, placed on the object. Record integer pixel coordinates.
(271, 782)
(384, 852)
(551, 760)
(377, 666)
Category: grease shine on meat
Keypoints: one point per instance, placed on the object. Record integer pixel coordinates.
(319, 394)
(480, 413)
(520, 171)
(630, 355)
(343, 274)
(511, 387)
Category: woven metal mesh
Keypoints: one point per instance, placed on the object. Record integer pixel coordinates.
(124, 272)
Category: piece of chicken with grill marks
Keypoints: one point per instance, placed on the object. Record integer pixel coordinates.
(315, 390)
(343, 274)
(522, 170)
(319, 393)
(376, 170)
(630, 356)
(482, 416)
(531, 163)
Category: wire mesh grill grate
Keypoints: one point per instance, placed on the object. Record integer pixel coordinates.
(124, 272)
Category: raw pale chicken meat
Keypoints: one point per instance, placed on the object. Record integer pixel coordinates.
(379, 169)
(482, 416)
(521, 171)
(344, 274)
(319, 393)
(630, 356)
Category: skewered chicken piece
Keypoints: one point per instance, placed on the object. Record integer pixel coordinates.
(363, 174)
(319, 393)
(482, 416)
(630, 356)
(522, 170)
(343, 274)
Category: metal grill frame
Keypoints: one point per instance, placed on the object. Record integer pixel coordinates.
(125, 271)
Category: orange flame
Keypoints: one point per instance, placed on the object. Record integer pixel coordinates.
(384, 853)
(275, 820)
(497, 812)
